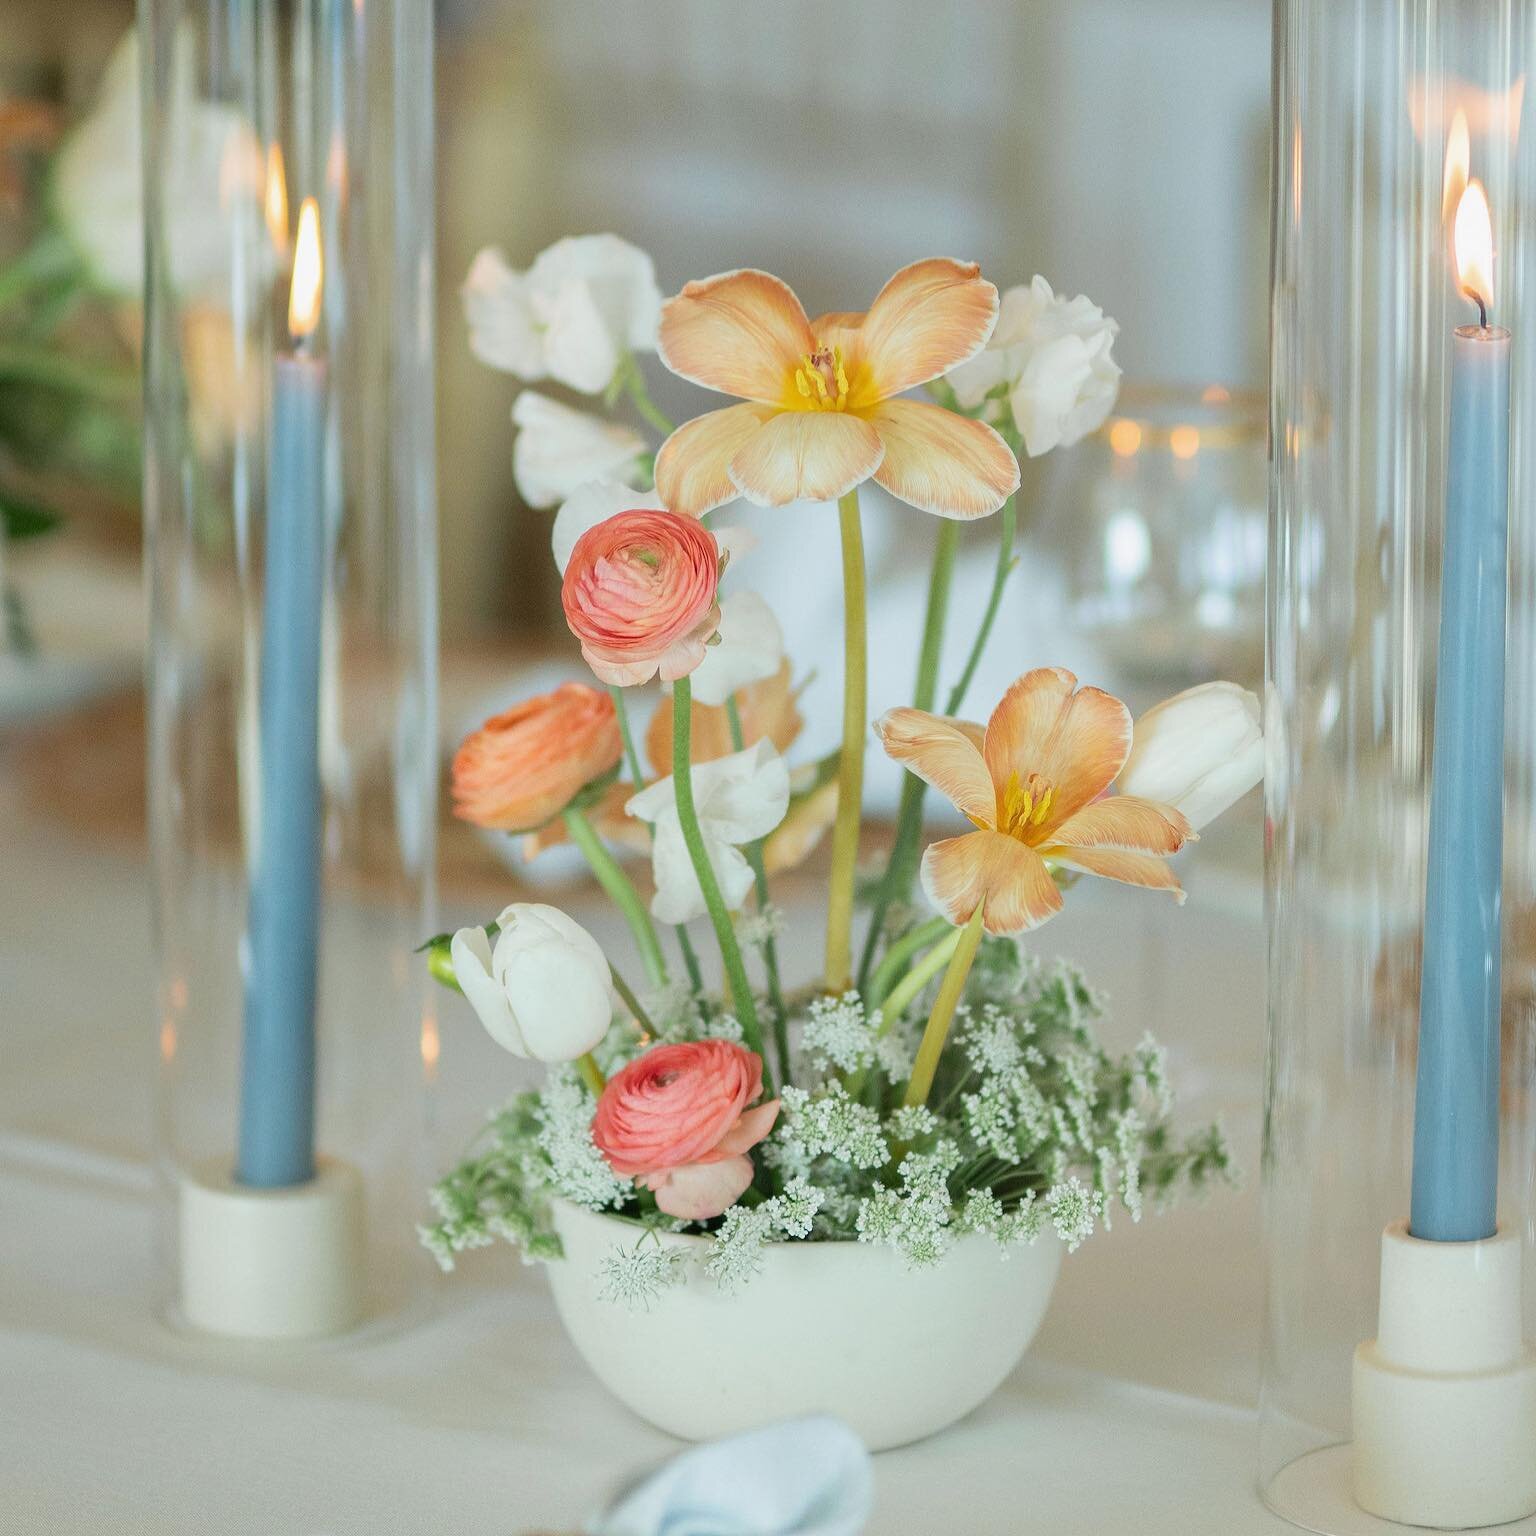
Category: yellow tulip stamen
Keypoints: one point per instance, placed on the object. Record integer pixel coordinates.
(1024, 805)
(822, 380)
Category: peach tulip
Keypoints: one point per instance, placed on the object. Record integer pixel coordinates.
(1033, 784)
(820, 414)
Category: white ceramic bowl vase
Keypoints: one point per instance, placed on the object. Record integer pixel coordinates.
(843, 1328)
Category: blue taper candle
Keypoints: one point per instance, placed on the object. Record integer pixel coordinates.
(1456, 1108)
(277, 1078)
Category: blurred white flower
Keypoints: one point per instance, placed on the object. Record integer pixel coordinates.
(591, 504)
(571, 316)
(750, 647)
(213, 166)
(1199, 751)
(544, 991)
(558, 449)
(739, 799)
(1053, 357)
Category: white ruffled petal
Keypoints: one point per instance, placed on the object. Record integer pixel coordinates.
(589, 505)
(750, 648)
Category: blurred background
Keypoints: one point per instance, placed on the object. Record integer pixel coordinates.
(1116, 146)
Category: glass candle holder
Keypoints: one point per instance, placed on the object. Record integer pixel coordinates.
(1400, 1145)
(290, 552)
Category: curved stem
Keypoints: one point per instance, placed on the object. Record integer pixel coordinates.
(909, 816)
(850, 792)
(591, 1074)
(637, 778)
(620, 891)
(900, 996)
(630, 1000)
(1005, 563)
(937, 1030)
(634, 382)
(892, 961)
(754, 852)
(693, 838)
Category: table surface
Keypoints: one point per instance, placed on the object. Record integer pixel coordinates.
(1133, 1411)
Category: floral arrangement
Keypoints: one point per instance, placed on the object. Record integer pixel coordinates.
(939, 1080)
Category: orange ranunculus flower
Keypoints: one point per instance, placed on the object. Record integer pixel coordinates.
(767, 708)
(1032, 784)
(820, 415)
(640, 594)
(523, 767)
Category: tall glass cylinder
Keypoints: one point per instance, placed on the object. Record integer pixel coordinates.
(291, 564)
(1401, 718)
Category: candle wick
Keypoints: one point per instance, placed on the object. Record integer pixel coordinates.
(1482, 311)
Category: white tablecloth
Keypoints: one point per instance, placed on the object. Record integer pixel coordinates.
(1133, 1412)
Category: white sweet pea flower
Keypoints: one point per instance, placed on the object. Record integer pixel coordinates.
(1199, 751)
(591, 504)
(98, 181)
(558, 449)
(739, 799)
(750, 647)
(544, 991)
(1053, 356)
(571, 316)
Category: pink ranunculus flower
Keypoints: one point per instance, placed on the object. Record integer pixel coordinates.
(676, 1120)
(640, 595)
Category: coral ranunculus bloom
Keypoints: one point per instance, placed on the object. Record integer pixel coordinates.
(1033, 783)
(820, 415)
(640, 595)
(523, 767)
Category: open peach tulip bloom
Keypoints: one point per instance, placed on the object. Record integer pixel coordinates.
(820, 414)
(1033, 783)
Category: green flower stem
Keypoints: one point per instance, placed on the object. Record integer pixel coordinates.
(637, 778)
(620, 891)
(850, 792)
(693, 837)
(937, 1030)
(591, 1074)
(900, 996)
(49, 257)
(897, 956)
(755, 858)
(909, 816)
(1005, 564)
(634, 382)
(630, 1000)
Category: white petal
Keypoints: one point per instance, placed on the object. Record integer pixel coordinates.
(559, 449)
(563, 1005)
(744, 796)
(471, 955)
(620, 277)
(589, 505)
(502, 332)
(579, 350)
(1199, 751)
(678, 898)
(750, 648)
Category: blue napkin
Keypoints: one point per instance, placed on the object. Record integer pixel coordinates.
(804, 1477)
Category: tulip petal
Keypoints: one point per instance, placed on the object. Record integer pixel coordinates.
(940, 753)
(742, 333)
(1127, 823)
(1009, 877)
(563, 1006)
(1128, 868)
(942, 463)
(806, 456)
(1076, 740)
(471, 956)
(691, 466)
(699, 1191)
(929, 318)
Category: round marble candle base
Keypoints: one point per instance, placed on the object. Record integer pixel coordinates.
(1445, 1394)
(271, 1263)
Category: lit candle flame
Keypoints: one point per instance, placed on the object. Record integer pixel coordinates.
(1458, 165)
(277, 198)
(1473, 246)
(308, 272)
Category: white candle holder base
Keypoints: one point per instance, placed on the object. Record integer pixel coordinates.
(271, 1263)
(1444, 1402)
